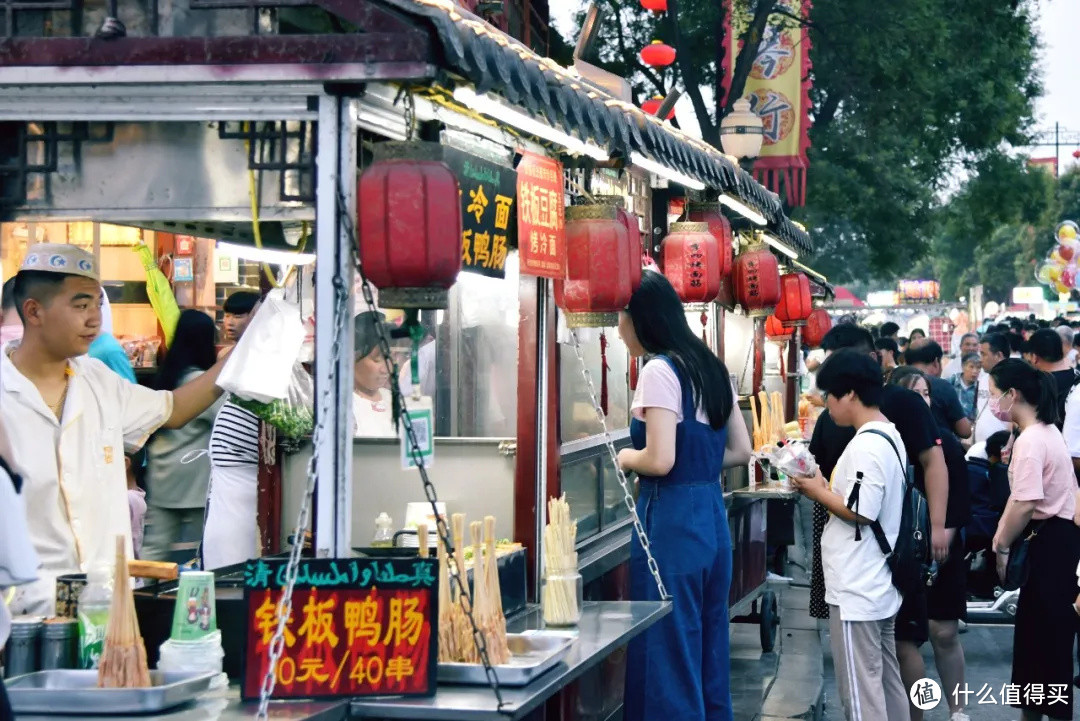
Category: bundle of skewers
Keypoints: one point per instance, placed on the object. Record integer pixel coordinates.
(456, 641)
(769, 427)
(123, 658)
(561, 602)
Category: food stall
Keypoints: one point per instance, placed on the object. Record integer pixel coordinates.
(252, 137)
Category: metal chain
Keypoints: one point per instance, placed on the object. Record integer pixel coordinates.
(628, 497)
(284, 609)
(442, 530)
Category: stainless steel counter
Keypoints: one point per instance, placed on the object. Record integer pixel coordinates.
(604, 627)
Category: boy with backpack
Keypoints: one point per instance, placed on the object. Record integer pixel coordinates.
(865, 498)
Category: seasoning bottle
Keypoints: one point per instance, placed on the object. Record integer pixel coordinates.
(60, 644)
(94, 602)
(384, 532)
(23, 651)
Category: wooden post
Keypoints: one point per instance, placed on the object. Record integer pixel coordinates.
(791, 405)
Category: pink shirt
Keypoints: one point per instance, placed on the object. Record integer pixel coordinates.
(1041, 470)
(659, 387)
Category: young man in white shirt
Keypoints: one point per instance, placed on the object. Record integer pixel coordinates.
(867, 486)
(993, 348)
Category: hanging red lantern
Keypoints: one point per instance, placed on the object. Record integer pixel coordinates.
(719, 226)
(409, 224)
(652, 105)
(690, 259)
(756, 278)
(776, 331)
(795, 302)
(656, 6)
(635, 248)
(817, 325)
(658, 54)
(597, 282)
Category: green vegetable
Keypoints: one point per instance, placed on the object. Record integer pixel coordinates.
(292, 422)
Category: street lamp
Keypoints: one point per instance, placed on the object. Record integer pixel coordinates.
(741, 131)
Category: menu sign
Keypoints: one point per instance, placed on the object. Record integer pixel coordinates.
(358, 627)
(541, 224)
(487, 212)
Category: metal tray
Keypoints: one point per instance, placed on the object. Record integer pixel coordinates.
(531, 655)
(68, 693)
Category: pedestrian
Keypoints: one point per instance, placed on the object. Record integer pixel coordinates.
(966, 384)
(686, 429)
(178, 469)
(865, 487)
(10, 324)
(1066, 334)
(946, 597)
(926, 355)
(1042, 502)
(891, 331)
(237, 311)
(61, 406)
(1048, 355)
(917, 334)
(969, 343)
(888, 351)
(993, 349)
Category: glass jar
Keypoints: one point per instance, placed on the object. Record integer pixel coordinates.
(384, 532)
(561, 597)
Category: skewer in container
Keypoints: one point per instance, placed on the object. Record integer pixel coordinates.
(563, 588)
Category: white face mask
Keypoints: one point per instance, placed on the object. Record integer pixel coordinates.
(1002, 414)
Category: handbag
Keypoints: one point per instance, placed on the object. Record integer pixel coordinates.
(1018, 567)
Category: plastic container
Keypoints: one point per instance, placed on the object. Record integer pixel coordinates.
(23, 650)
(384, 531)
(60, 644)
(204, 655)
(94, 602)
(562, 596)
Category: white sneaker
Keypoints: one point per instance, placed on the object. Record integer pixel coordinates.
(959, 716)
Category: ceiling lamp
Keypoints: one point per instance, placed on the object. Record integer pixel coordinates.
(741, 131)
(656, 6)
(658, 55)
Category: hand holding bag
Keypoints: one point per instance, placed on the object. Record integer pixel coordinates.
(1018, 567)
(260, 368)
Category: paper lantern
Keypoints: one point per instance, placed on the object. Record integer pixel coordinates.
(690, 259)
(719, 226)
(597, 282)
(775, 329)
(658, 54)
(795, 302)
(757, 280)
(409, 220)
(634, 246)
(817, 325)
(652, 105)
(656, 6)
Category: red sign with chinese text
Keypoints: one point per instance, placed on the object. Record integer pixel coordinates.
(541, 216)
(358, 627)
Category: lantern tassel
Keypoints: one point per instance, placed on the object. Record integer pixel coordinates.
(603, 374)
(705, 328)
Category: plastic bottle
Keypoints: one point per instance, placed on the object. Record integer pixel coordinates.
(384, 531)
(94, 602)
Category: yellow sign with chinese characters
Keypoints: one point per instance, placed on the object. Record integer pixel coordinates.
(487, 212)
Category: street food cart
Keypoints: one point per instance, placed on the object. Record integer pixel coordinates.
(232, 116)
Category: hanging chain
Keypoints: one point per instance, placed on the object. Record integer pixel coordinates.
(284, 608)
(441, 529)
(628, 497)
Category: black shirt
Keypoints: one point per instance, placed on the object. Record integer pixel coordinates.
(1065, 380)
(958, 510)
(945, 403)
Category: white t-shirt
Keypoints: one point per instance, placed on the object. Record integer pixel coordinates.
(659, 387)
(857, 578)
(953, 367)
(374, 419)
(986, 423)
(1071, 429)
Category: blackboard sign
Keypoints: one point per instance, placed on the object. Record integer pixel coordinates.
(488, 212)
(359, 627)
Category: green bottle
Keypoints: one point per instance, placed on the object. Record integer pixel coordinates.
(94, 603)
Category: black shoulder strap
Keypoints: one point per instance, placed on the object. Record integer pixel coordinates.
(875, 525)
(876, 432)
(16, 479)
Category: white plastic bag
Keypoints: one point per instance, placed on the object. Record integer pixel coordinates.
(260, 368)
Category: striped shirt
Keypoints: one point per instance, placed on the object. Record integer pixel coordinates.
(234, 440)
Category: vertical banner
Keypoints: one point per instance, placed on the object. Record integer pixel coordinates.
(487, 212)
(779, 91)
(541, 216)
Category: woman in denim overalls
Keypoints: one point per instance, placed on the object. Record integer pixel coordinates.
(686, 429)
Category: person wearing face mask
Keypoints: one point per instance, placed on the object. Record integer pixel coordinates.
(1042, 501)
(373, 407)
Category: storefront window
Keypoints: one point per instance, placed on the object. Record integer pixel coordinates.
(577, 415)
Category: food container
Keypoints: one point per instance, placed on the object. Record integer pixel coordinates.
(60, 644)
(24, 646)
(562, 597)
(68, 589)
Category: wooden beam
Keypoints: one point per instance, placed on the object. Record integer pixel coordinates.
(367, 16)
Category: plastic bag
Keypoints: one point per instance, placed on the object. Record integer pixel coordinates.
(159, 292)
(261, 366)
(293, 416)
(791, 458)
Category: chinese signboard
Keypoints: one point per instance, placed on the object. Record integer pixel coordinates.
(358, 627)
(541, 225)
(487, 212)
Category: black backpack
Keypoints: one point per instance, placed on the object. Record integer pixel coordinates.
(909, 561)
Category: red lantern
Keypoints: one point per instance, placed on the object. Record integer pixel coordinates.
(635, 248)
(817, 325)
(690, 259)
(656, 6)
(658, 55)
(652, 105)
(776, 330)
(757, 280)
(795, 302)
(719, 226)
(410, 231)
(597, 283)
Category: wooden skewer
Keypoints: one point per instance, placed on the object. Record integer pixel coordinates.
(756, 422)
(422, 539)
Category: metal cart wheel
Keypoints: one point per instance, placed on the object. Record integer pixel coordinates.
(770, 620)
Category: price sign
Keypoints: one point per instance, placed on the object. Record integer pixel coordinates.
(541, 224)
(487, 212)
(359, 627)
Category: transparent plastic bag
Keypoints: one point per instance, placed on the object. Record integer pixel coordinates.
(293, 416)
(792, 458)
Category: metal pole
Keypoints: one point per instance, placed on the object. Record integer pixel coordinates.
(543, 339)
(335, 159)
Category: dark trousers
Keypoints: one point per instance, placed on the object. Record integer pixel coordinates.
(6, 714)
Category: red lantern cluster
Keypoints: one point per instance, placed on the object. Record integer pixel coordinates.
(817, 325)
(658, 54)
(409, 225)
(652, 106)
(656, 6)
(690, 259)
(597, 283)
(795, 302)
(756, 278)
(776, 330)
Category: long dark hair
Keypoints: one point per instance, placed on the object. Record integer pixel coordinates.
(192, 347)
(1036, 387)
(660, 324)
(907, 377)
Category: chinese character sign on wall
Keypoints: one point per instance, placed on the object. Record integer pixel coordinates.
(358, 627)
(541, 216)
(488, 212)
